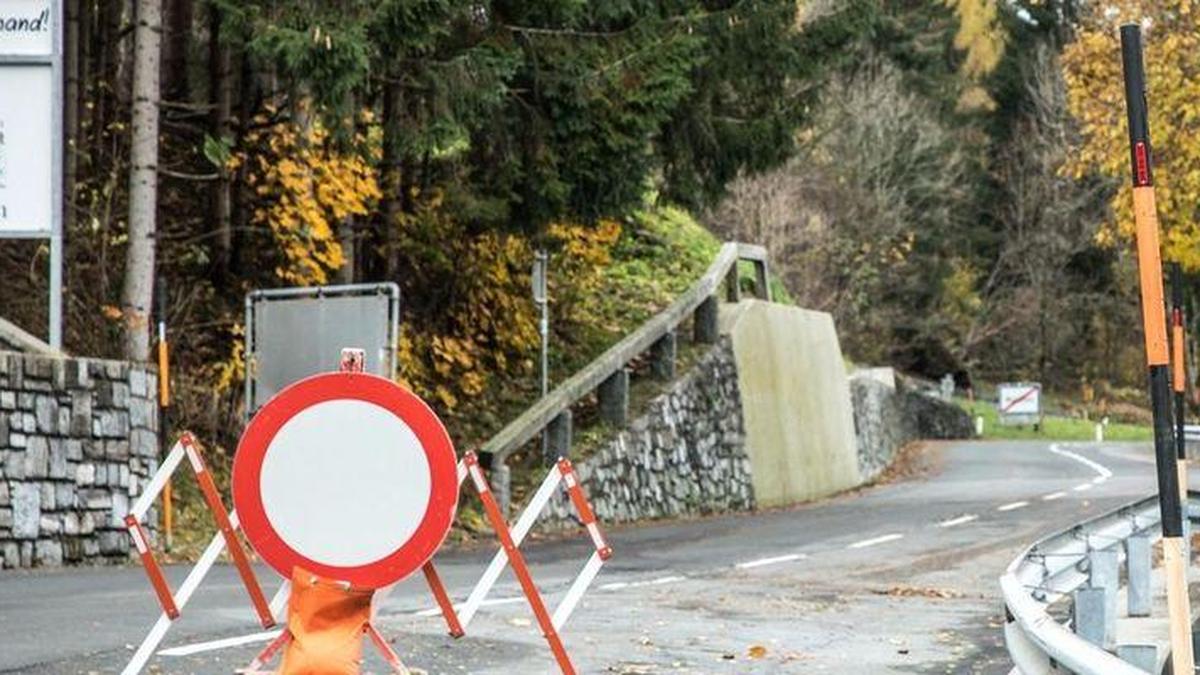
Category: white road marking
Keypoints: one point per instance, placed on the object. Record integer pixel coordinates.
(1054, 495)
(1098, 480)
(877, 540)
(1012, 506)
(763, 562)
(1081, 487)
(212, 645)
(958, 521)
(1091, 464)
(435, 611)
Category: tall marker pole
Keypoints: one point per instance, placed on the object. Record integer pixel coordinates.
(1179, 384)
(1157, 357)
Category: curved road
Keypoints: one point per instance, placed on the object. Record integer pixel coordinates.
(896, 578)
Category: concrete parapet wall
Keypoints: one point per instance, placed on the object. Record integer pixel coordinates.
(78, 440)
(796, 402)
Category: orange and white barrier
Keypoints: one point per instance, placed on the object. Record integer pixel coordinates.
(509, 553)
(173, 602)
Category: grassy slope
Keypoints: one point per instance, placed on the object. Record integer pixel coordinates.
(1054, 427)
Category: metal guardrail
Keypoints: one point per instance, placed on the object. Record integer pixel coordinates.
(1058, 566)
(699, 297)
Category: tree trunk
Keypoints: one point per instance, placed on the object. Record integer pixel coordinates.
(137, 294)
(392, 188)
(178, 33)
(220, 69)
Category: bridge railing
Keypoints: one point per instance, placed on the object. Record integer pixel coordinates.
(1082, 566)
(607, 374)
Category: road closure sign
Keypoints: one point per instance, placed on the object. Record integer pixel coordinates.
(1020, 402)
(348, 476)
(28, 117)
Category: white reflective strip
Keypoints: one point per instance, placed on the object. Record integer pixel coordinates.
(570, 477)
(478, 478)
(462, 472)
(576, 591)
(213, 645)
(189, 585)
(597, 538)
(157, 482)
(500, 560)
(138, 541)
(279, 602)
(194, 458)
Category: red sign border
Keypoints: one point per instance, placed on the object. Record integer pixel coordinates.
(439, 450)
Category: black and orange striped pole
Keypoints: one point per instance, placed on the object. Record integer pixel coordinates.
(1179, 384)
(1154, 320)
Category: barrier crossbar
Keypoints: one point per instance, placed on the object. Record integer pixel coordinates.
(510, 554)
(173, 602)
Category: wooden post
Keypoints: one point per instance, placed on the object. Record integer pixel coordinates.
(662, 356)
(614, 398)
(705, 329)
(1157, 358)
(558, 438)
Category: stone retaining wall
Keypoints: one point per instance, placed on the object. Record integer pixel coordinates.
(78, 440)
(890, 413)
(684, 456)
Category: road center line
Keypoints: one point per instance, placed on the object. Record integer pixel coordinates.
(1012, 506)
(1082, 486)
(1054, 495)
(958, 521)
(877, 540)
(763, 562)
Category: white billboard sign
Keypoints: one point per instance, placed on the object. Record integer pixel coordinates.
(26, 150)
(31, 143)
(26, 27)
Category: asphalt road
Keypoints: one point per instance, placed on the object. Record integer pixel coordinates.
(896, 578)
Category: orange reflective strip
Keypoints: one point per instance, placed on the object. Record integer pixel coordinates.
(213, 498)
(153, 571)
(164, 375)
(443, 599)
(521, 570)
(1154, 317)
(1179, 375)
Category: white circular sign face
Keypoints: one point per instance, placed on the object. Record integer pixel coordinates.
(348, 476)
(344, 503)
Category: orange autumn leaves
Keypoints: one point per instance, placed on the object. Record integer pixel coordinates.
(1092, 69)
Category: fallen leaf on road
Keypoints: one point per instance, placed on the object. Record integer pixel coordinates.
(757, 652)
(920, 592)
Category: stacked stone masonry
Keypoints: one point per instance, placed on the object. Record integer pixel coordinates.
(685, 455)
(78, 441)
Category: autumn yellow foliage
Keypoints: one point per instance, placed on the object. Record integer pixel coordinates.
(1092, 65)
(305, 187)
(488, 324)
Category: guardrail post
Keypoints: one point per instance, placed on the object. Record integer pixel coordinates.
(761, 288)
(558, 438)
(614, 398)
(704, 328)
(1137, 564)
(662, 356)
(1089, 616)
(1105, 572)
(1141, 656)
(733, 286)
